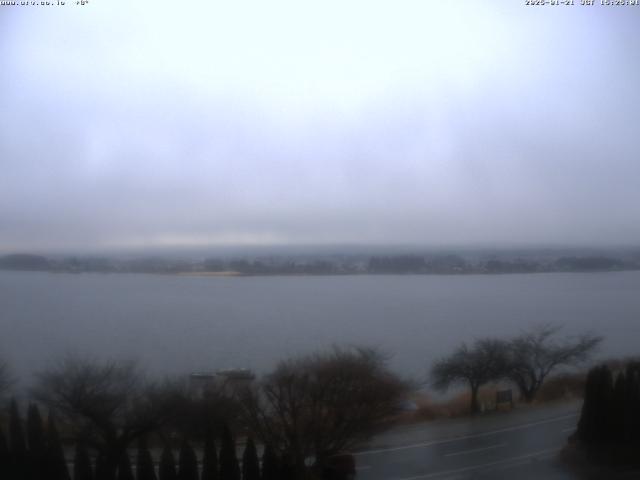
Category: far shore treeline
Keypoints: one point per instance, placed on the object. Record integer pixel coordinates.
(468, 262)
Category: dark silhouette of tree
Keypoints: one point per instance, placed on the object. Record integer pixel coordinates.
(340, 467)
(5, 458)
(288, 468)
(270, 464)
(188, 463)
(605, 400)
(484, 362)
(35, 430)
(210, 459)
(17, 443)
(609, 425)
(321, 404)
(198, 413)
(618, 403)
(82, 464)
(593, 426)
(144, 462)
(56, 462)
(101, 467)
(536, 353)
(6, 379)
(229, 468)
(167, 470)
(108, 404)
(124, 468)
(37, 445)
(610, 414)
(632, 403)
(16, 434)
(250, 463)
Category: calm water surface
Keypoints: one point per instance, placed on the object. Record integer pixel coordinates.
(178, 324)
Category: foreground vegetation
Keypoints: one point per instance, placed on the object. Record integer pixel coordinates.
(608, 431)
(301, 418)
(525, 361)
(304, 415)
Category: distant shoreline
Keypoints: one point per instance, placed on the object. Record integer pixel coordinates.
(235, 274)
(227, 273)
(333, 265)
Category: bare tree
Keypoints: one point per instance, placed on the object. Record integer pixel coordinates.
(537, 352)
(485, 361)
(6, 379)
(107, 404)
(197, 415)
(318, 405)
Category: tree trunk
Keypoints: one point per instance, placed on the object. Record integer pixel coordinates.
(528, 392)
(528, 395)
(475, 406)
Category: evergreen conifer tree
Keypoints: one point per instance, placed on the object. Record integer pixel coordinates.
(229, 468)
(250, 464)
(167, 465)
(82, 464)
(56, 462)
(586, 427)
(210, 459)
(618, 414)
(17, 444)
(37, 456)
(124, 468)
(270, 464)
(16, 434)
(632, 404)
(4, 457)
(188, 463)
(102, 472)
(144, 470)
(287, 468)
(35, 430)
(605, 403)
(594, 426)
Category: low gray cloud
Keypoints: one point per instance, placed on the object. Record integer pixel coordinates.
(103, 143)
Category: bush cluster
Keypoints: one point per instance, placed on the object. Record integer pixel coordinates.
(609, 424)
(33, 451)
(611, 410)
(38, 455)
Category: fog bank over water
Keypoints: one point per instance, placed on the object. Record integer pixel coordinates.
(426, 123)
(175, 325)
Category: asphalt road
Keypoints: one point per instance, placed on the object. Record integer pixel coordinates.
(522, 444)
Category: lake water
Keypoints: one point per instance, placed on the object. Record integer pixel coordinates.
(177, 324)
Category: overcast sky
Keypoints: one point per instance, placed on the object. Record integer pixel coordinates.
(363, 122)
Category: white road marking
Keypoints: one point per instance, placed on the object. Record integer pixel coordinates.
(519, 463)
(465, 452)
(465, 437)
(483, 465)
